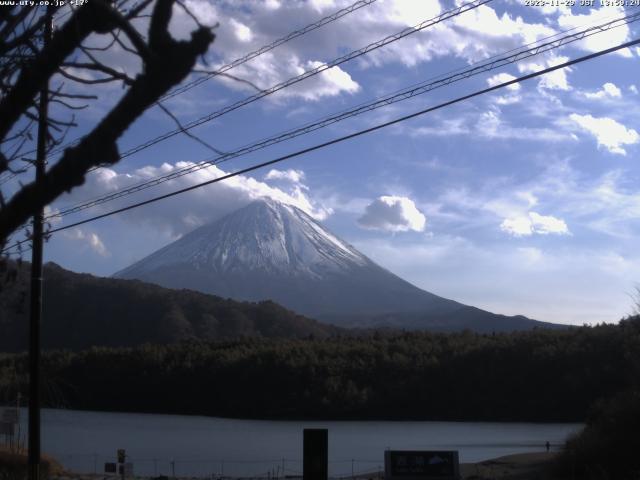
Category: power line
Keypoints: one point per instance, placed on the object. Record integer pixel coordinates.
(293, 80)
(308, 74)
(18, 247)
(346, 137)
(247, 57)
(5, 178)
(401, 95)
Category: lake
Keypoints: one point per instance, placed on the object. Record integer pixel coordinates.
(199, 446)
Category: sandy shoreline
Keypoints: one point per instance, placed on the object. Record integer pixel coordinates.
(522, 466)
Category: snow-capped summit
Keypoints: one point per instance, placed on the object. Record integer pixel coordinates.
(269, 250)
(266, 236)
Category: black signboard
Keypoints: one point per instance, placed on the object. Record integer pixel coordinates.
(110, 468)
(423, 465)
(315, 454)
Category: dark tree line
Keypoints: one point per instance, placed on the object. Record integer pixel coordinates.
(542, 375)
(608, 446)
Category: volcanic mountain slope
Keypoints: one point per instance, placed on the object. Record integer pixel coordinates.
(269, 250)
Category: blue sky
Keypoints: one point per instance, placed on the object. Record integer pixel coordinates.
(522, 201)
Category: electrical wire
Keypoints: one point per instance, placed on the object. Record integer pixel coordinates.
(245, 58)
(276, 43)
(308, 74)
(294, 80)
(521, 53)
(346, 137)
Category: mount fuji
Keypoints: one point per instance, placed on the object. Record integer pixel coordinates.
(269, 250)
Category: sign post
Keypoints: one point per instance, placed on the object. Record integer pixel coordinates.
(421, 465)
(315, 454)
(122, 456)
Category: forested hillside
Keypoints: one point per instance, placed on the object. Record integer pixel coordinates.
(542, 375)
(80, 311)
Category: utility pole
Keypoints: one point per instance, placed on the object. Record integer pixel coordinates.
(36, 278)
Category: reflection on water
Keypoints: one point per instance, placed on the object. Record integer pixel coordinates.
(199, 446)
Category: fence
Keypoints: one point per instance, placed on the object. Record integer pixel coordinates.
(219, 469)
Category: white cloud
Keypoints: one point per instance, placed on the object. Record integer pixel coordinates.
(555, 80)
(241, 31)
(332, 82)
(295, 176)
(612, 90)
(444, 127)
(247, 25)
(608, 132)
(491, 125)
(633, 89)
(90, 239)
(545, 224)
(609, 204)
(244, 26)
(534, 223)
(409, 12)
(182, 24)
(609, 90)
(502, 78)
(97, 245)
(508, 99)
(517, 226)
(609, 207)
(266, 71)
(602, 40)
(272, 4)
(495, 31)
(394, 214)
(49, 213)
(181, 214)
(488, 125)
(322, 5)
(566, 284)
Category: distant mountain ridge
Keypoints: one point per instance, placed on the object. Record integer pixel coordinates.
(81, 311)
(269, 250)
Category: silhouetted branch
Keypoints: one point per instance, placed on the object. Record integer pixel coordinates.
(166, 62)
(187, 132)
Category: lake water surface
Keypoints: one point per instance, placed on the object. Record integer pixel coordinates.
(198, 446)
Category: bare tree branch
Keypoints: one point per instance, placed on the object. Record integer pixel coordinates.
(77, 96)
(166, 62)
(68, 105)
(86, 81)
(187, 132)
(90, 18)
(135, 12)
(232, 77)
(100, 67)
